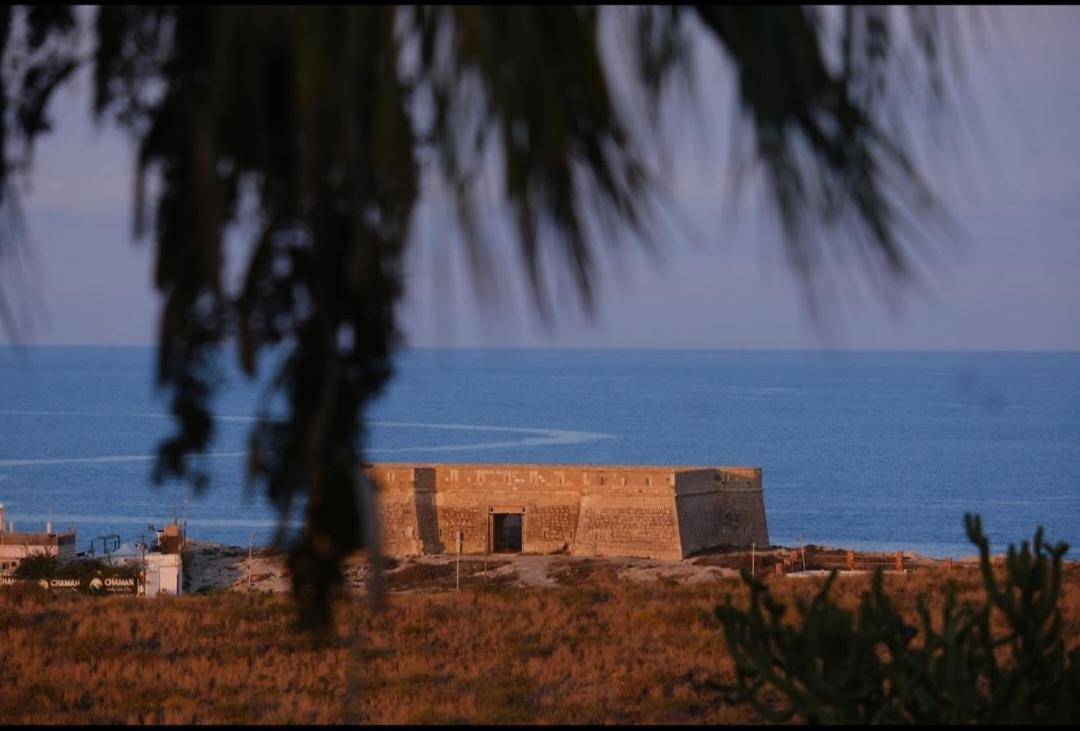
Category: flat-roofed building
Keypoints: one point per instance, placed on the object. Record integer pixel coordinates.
(601, 510)
(17, 545)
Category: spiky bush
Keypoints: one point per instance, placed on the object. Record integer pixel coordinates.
(1001, 660)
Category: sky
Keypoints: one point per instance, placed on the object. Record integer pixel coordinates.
(1009, 280)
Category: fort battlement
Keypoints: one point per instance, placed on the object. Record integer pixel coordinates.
(648, 511)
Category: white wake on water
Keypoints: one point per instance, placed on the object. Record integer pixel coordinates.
(102, 458)
(536, 437)
(78, 518)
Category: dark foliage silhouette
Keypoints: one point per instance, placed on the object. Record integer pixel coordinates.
(1000, 661)
(325, 120)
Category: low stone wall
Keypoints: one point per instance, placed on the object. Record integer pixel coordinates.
(643, 511)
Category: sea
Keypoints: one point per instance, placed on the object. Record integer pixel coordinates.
(863, 450)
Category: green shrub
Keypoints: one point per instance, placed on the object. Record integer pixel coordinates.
(41, 566)
(37, 566)
(1003, 660)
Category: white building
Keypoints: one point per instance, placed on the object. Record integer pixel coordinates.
(164, 574)
(15, 545)
(163, 568)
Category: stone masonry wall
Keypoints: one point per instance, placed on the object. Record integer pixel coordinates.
(652, 512)
(628, 512)
(720, 507)
(548, 498)
(395, 502)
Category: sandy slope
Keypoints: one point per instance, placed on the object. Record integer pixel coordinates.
(210, 566)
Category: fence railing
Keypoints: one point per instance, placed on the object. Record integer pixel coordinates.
(793, 561)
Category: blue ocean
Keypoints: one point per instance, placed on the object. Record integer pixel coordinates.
(865, 450)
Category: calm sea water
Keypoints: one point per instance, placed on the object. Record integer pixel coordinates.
(863, 450)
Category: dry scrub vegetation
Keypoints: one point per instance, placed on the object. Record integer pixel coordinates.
(598, 650)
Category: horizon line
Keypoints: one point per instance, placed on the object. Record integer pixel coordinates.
(621, 348)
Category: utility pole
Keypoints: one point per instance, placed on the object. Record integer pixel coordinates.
(457, 576)
(105, 541)
(251, 538)
(802, 552)
(142, 552)
(183, 533)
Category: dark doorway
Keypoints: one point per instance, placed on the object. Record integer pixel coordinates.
(506, 532)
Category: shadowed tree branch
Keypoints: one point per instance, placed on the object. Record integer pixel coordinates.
(325, 119)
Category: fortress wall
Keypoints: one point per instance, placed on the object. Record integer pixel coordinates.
(742, 502)
(427, 513)
(649, 512)
(628, 512)
(395, 503)
(643, 526)
(720, 507)
(551, 526)
(697, 506)
(743, 518)
(751, 475)
(548, 498)
(639, 477)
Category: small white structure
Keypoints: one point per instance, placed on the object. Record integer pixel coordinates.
(15, 546)
(163, 569)
(164, 574)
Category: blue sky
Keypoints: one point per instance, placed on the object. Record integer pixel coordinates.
(1012, 281)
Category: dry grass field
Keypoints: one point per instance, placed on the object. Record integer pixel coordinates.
(592, 649)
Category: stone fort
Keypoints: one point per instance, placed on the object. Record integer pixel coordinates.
(659, 512)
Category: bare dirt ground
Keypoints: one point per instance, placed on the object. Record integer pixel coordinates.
(213, 567)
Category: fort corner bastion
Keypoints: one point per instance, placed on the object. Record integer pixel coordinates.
(659, 512)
